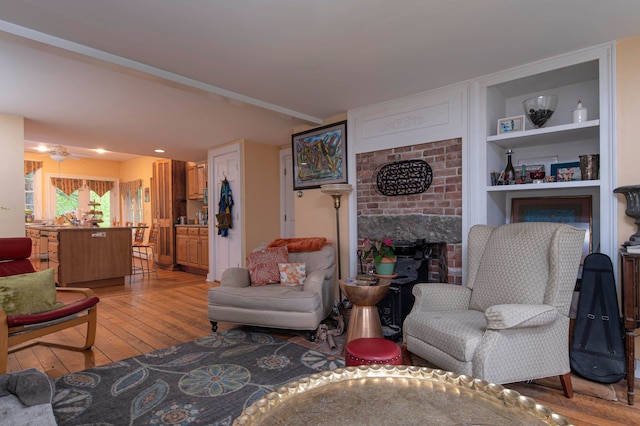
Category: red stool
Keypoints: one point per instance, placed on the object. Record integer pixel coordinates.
(372, 350)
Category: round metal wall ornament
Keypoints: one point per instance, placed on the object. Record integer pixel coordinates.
(404, 177)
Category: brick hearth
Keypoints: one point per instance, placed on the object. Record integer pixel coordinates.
(435, 215)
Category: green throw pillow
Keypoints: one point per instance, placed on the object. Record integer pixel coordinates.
(28, 293)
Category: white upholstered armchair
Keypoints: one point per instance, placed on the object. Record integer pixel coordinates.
(303, 307)
(510, 322)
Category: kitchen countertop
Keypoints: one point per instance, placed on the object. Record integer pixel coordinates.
(71, 228)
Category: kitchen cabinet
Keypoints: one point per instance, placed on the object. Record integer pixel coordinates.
(192, 248)
(86, 257)
(203, 258)
(182, 240)
(169, 203)
(39, 244)
(196, 181)
(584, 76)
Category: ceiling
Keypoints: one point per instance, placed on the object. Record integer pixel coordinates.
(130, 76)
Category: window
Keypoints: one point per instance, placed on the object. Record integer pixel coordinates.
(132, 205)
(72, 196)
(29, 193)
(32, 191)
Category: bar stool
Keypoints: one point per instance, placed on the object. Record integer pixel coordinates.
(371, 351)
(144, 252)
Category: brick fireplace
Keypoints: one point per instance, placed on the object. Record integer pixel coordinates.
(434, 215)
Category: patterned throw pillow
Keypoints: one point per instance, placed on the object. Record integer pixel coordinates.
(263, 265)
(292, 274)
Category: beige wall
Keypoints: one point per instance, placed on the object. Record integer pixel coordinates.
(628, 111)
(261, 193)
(315, 214)
(12, 166)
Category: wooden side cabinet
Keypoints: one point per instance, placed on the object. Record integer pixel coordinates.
(630, 276)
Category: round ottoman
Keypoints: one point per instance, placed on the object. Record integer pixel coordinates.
(372, 350)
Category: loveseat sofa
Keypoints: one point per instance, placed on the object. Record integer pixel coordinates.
(297, 307)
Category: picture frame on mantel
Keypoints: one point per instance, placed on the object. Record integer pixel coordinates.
(320, 156)
(574, 211)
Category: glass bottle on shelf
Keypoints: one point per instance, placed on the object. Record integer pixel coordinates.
(509, 171)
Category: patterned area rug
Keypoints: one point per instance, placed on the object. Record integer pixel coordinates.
(207, 381)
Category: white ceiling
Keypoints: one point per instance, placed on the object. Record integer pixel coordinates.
(133, 75)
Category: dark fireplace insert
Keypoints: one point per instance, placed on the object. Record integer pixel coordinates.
(412, 267)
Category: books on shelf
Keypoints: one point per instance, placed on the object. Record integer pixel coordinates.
(633, 249)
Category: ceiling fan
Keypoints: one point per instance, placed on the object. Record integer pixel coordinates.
(59, 153)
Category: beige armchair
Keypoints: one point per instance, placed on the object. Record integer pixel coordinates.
(272, 305)
(510, 322)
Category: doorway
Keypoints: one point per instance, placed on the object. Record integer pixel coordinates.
(226, 251)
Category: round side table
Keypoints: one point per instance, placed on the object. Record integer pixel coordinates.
(364, 320)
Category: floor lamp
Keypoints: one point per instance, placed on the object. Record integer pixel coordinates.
(337, 190)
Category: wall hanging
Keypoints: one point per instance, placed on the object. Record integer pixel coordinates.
(404, 177)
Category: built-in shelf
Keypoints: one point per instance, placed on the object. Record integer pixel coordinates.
(548, 135)
(544, 186)
(583, 75)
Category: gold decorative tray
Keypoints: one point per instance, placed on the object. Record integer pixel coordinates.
(395, 394)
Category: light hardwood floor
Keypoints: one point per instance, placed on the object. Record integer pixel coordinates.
(150, 314)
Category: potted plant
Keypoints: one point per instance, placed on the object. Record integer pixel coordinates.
(383, 254)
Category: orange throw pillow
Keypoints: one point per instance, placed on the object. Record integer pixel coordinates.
(300, 244)
(263, 265)
(292, 274)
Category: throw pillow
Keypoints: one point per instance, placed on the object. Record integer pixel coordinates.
(295, 245)
(292, 274)
(30, 293)
(263, 265)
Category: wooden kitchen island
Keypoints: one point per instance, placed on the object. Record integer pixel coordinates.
(86, 257)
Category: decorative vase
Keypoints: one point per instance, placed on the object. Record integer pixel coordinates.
(632, 194)
(386, 266)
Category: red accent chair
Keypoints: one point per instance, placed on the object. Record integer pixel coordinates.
(18, 329)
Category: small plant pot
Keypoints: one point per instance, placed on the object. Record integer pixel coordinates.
(386, 267)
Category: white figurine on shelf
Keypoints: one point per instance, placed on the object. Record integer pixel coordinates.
(580, 113)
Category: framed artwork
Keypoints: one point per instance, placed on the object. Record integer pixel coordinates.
(146, 195)
(565, 172)
(320, 156)
(575, 211)
(511, 124)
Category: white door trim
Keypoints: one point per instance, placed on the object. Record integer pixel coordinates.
(238, 228)
(287, 206)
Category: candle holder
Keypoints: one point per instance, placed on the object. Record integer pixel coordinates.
(632, 194)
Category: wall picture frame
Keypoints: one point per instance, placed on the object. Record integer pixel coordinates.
(574, 211)
(511, 124)
(320, 156)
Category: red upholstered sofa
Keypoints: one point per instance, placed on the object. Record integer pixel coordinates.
(18, 329)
